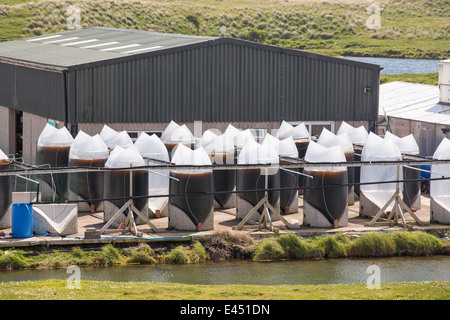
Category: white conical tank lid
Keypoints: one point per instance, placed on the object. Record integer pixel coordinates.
(298, 132)
(232, 131)
(124, 158)
(329, 139)
(220, 144)
(284, 130)
(208, 137)
(319, 153)
(113, 138)
(285, 147)
(357, 135)
(186, 156)
(443, 150)
(168, 130)
(3, 156)
(379, 149)
(407, 144)
(255, 153)
(151, 146)
(243, 138)
(182, 134)
(86, 147)
(53, 137)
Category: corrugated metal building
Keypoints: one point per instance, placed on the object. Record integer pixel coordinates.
(142, 80)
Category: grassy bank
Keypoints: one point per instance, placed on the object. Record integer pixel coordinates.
(232, 246)
(105, 290)
(412, 29)
(424, 78)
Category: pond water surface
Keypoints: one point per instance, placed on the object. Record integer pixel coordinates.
(395, 269)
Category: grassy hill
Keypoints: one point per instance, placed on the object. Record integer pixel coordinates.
(409, 28)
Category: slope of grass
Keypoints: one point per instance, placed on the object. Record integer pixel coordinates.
(106, 290)
(413, 29)
(425, 78)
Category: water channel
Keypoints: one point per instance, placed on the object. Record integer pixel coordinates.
(399, 66)
(394, 269)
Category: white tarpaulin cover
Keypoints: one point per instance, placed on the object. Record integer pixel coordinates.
(53, 137)
(151, 147)
(379, 149)
(440, 189)
(357, 135)
(113, 138)
(86, 147)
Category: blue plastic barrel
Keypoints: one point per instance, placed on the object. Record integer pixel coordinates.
(22, 220)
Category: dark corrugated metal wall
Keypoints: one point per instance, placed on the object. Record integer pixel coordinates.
(225, 82)
(32, 90)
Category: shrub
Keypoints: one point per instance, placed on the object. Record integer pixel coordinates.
(141, 257)
(200, 251)
(269, 249)
(333, 247)
(109, 255)
(416, 243)
(177, 256)
(13, 260)
(372, 245)
(297, 248)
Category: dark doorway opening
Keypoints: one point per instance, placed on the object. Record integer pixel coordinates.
(19, 134)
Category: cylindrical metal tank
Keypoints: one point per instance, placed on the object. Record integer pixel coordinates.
(88, 151)
(325, 200)
(191, 204)
(329, 139)
(174, 135)
(118, 191)
(289, 179)
(358, 137)
(257, 179)
(221, 151)
(53, 148)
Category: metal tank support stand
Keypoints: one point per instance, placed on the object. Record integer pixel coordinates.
(265, 221)
(130, 223)
(397, 211)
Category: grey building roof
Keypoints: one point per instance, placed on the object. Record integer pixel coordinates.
(81, 47)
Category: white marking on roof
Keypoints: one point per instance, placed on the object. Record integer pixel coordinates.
(79, 42)
(100, 45)
(45, 38)
(143, 49)
(63, 40)
(121, 47)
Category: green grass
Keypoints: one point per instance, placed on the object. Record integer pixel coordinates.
(106, 290)
(424, 78)
(371, 244)
(409, 29)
